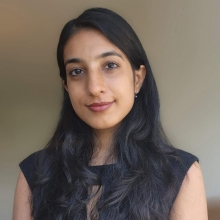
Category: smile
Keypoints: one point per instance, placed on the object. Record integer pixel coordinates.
(99, 107)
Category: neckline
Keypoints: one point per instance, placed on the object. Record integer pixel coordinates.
(103, 166)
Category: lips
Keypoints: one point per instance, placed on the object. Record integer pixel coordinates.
(101, 106)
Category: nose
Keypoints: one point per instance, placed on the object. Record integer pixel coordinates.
(95, 83)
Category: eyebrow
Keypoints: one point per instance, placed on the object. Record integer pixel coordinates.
(109, 53)
(103, 55)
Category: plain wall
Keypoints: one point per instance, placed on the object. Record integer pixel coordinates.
(181, 38)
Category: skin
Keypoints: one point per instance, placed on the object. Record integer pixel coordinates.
(97, 71)
(22, 208)
(191, 203)
(94, 75)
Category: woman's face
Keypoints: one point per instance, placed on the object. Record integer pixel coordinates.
(100, 81)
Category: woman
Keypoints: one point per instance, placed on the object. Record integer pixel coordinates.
(108, 158)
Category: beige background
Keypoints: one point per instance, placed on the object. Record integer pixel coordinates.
(182, 40)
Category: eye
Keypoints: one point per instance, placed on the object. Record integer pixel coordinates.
(111, 65)
(76, 72)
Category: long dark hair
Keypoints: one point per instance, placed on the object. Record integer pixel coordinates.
(141, 184)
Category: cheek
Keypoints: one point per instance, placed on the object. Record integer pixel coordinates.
(127, 102)
(75, 102)
(126, 88)
(75, 97)
(125, 97)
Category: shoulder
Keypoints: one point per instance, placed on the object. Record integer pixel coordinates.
(29, 168)
(190, 202)
(22, 207)
(181, 163)
(183, 159)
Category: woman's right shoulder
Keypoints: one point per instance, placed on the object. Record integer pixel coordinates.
(32, 157)
(22, 206)
(28, 167)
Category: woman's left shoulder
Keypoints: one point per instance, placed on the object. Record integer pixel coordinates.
(190, 202)
(181, 162)
(183, 157)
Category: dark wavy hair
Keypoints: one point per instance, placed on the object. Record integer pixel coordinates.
(142, 183)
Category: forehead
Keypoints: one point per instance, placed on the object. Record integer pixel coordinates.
(88, 42)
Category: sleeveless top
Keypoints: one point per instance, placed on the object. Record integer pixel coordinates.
(29, 168)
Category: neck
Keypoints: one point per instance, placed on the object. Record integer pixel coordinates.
(103, 147)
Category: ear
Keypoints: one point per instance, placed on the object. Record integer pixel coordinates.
(65, 85)
(139, 78)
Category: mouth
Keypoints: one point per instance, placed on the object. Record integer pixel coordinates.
(99, 106)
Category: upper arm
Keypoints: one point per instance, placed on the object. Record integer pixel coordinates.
(22, 207)
(190, 202)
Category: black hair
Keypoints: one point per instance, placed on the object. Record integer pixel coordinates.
(142, 183)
